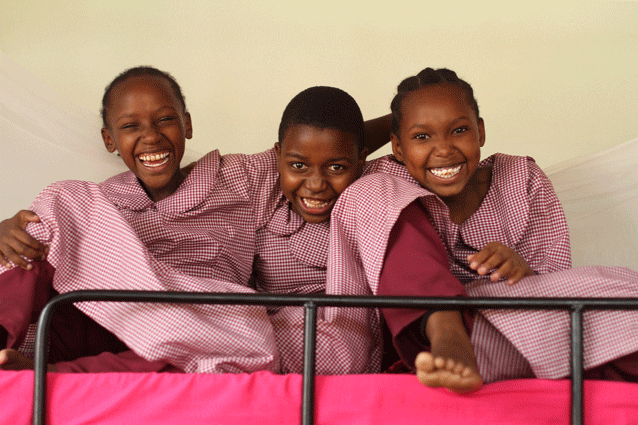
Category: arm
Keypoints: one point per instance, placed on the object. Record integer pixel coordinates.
(377, 132)
(527, 232)
(544, 244)
(16, 243)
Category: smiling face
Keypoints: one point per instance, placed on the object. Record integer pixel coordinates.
(440, 139)
(148, 126)
(315, 165)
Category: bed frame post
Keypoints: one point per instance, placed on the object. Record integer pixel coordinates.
(308, 386)
(577, 364)
(40, 365)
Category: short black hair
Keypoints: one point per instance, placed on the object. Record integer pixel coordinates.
(324, 107)
(140, 71)
(424, 78)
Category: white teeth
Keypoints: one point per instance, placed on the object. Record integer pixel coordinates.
(149, 157)
(313, 203)
(446, 173)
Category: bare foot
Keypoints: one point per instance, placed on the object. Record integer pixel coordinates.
(451, 362)
(439, 372)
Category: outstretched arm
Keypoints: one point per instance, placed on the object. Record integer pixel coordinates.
(377, 132)
(16, 243)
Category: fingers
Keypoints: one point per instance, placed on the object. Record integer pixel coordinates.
(26, 216)
(504, 262)
(16, 245)
(489, 258)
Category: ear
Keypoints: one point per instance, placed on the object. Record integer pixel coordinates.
(278, 150)
(481, 128)
(396, 148)
(107, 137)
(188, 126)
(362, 157)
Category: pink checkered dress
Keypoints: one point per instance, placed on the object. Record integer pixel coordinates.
(507, 344)
(199, 239)
(291, 259)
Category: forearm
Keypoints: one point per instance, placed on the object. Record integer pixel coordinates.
(377, 133)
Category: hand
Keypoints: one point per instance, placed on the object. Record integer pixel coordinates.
(11, 359)
(506, 261)
(16, 243)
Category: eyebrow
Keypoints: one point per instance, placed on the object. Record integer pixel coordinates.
(454, 121)
(302, 157)
(134, 115)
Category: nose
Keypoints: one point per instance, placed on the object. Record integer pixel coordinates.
(151, 134)
(316, 182)
(444, 146)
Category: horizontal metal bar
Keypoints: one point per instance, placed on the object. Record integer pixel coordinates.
(311, 302)
(323, 300)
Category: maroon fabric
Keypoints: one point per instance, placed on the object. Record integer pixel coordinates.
(414, 272)
(76, 340)
(23, 294)
(125, 361)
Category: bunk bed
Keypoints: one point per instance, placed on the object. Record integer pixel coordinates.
(599, 193)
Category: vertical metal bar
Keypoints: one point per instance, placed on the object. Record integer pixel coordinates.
(577, 364)
(310, 343)
(40, 365)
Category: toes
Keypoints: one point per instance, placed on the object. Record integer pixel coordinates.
(425, 362)
(440, 363)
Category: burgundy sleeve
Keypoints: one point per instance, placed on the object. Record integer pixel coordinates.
(126, 361)
(416, 264)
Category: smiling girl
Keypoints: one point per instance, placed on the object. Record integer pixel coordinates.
(505, 235)
(155, 227)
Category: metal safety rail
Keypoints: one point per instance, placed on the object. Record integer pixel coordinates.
(575, 306)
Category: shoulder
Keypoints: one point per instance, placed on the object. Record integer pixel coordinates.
(264, 160)
(71, 187)
(389, 165)
(383, 190)
(74, 193)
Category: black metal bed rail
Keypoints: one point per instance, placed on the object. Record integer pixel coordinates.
(575, 306)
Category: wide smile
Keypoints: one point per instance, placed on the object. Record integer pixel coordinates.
(154, 160)
(446, 172)
(315, 206)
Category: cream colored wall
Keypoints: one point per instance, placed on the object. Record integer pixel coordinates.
(554, 80)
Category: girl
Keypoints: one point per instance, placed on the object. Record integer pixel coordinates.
(500, 222)
(170, 229)
(320, 151)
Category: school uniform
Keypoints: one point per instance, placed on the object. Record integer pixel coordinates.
(201, 238)
(291, 258)
(521, 211)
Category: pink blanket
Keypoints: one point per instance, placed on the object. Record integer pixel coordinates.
(265, 398)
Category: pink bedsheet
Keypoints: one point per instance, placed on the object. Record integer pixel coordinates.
(264, 398)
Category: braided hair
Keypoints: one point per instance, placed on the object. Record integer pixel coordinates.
(140, 71)
(424, 78)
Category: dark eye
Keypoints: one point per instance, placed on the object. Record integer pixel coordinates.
(336, 167)
(460, 130)
(422, 136)
(297, 165)
(129, 126)
(166, 120)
